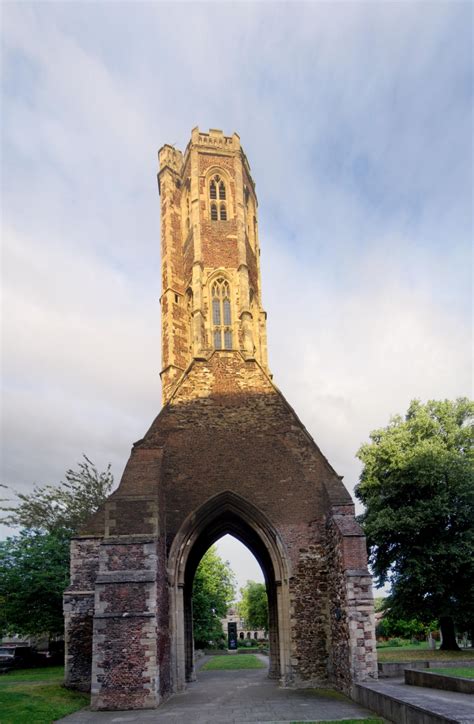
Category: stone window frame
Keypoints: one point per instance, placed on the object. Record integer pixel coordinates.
(224, 207)
(221, 314)
(232, 327)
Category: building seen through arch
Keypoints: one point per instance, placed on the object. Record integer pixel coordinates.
(226, 455)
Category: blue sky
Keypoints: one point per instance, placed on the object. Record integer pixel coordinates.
(356, 118)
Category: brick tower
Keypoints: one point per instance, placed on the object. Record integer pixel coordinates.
(210, 255)
(226, 454)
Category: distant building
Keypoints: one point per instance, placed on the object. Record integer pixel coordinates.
(243, 632)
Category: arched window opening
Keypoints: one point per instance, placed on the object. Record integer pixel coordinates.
(241, 635)
(221, 315)
(217, 191)
(255, 635)
(248, 634)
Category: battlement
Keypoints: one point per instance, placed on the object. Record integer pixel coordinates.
(170, 156)
(215, 139)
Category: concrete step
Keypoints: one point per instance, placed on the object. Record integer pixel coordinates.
(404, 704)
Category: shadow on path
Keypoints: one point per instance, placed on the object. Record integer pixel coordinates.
(236, 697)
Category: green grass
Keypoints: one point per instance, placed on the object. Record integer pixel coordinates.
(235, 661)
(399, 653)
(37, 695)
(420, 646)
(467, 672)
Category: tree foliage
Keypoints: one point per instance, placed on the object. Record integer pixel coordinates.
(34, 566)
(213, 592)
(34, 571)
(417, 485)
(65, 506)
(253, 606)
(411, 628)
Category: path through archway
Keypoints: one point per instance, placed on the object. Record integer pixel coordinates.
(227, 513)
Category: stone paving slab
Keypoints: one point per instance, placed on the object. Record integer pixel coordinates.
(443, 706)
(236, 697)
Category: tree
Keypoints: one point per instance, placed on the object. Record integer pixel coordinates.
(65, 506)
(254, 605)
(34, 566)
(417, 485)
(213, 592)
(34, 571)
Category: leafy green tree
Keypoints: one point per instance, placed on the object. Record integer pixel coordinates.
(379, 603)
(213, 592)
(253, 606)
(34, 571)
(61, 507)
(411, 628)
(417, 485)
(34, 566)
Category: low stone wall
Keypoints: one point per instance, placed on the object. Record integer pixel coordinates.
(439, 681)
(393, 669)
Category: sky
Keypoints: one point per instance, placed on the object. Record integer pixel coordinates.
(356, 119)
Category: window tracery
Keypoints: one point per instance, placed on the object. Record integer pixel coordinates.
(221, 315)
(217, 192)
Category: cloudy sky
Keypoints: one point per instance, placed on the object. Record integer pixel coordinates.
(356, 118)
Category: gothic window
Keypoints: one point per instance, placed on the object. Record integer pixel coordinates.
(221, 315)
(217, 191)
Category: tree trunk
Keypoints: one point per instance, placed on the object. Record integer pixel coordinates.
(448, 635)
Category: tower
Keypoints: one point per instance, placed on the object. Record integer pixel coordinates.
(211, 290)
(226, 454)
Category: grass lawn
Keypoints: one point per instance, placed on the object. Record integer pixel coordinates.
(422, 646)
(467, 672)
(399, 653)
(37, 695)
(235, 661)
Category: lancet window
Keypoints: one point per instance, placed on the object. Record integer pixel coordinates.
(221, 315)
(217, 192)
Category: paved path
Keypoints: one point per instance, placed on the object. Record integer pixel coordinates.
(236, 697)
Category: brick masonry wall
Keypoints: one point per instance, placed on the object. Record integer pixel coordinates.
(351, 613)
(79, 611)
(124, 671)
(228, 428)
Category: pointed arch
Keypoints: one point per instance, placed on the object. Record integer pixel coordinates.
(218, 192)
(229, 513)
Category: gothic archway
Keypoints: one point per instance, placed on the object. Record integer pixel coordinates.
(232, 514)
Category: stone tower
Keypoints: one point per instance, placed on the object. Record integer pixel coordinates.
(211, 296)
(226, 454)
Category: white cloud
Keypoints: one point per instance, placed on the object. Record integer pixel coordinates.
(357, 122)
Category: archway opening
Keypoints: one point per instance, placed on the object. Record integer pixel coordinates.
(228, 513)
(230, 600)
(231, 524)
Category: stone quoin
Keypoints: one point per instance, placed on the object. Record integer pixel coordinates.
(226, 454)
